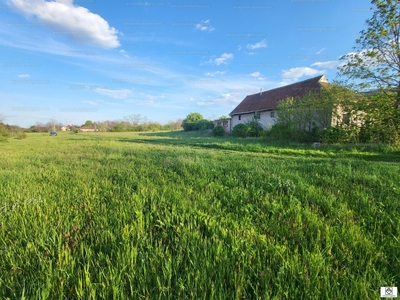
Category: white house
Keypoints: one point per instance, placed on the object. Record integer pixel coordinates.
(265, 103)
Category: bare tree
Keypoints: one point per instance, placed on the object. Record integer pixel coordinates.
(134, 119)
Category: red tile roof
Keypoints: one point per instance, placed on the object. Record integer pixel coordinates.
(268, 100)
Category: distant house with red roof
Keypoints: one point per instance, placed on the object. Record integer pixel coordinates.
(66, 128)
(89, 128)
(265, 103)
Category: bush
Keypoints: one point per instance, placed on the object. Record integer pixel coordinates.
(203, 125)
(198, 125)
(240, 130)
(21, 136)
(255, 128)
(4, 133)
(218, 131)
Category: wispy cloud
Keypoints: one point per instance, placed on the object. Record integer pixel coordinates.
(320, 51)
(255, 74)
(90, 102)
(68, 19)
(221, 100)
(300, 72)
(202, 103)
(24, 76)
(204, 26)
(223, 59)
(262, 44)
(216, 73)
(116, 94)
(123, 52)
(326, 64)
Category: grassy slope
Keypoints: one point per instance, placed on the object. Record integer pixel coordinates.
(164, 216)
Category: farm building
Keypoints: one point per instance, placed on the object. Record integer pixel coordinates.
(89, 128)
(66, 128)
(225, 123)
(265, 104)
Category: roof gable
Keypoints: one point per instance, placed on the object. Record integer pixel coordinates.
(268, 100)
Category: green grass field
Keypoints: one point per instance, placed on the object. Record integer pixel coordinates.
(186, 216)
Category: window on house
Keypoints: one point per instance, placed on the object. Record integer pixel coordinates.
(272, 114)
(240, 117)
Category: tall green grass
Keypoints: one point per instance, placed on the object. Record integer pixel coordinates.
(128, 216)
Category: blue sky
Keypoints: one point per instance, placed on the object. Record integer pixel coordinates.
(103, 60)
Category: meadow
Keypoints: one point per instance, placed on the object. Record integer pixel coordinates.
(187, 216)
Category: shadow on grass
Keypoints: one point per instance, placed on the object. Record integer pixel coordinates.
(363, 152)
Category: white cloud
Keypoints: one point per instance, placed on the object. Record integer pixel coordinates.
(326, 64)
(204, 26)
(116, 94)
(222, 59)
(258, 75)
(24, 76)
(262, 44)
(300, 72)
(90, 102)
(67, 19)
(371, 58)
(320, 51)
(123, 52)
(223, 99)
(202, 103)
(239, 48)
(151, 98)
(213, 74)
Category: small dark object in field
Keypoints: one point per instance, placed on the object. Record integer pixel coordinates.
(316, 144)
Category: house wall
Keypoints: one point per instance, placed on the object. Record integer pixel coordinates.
(265, 119)
(244, 119)
(225, 123)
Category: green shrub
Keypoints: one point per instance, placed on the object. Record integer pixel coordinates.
(240, 130)
(218, 131)
(21, 136)
(255, 127)
(4, 133)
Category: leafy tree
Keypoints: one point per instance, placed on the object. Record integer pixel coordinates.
(88, 123)
(306, 119)
(380, 120)
(376, 62)
(189, 123)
